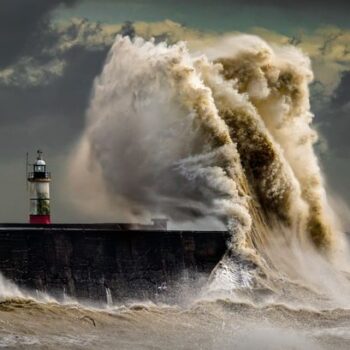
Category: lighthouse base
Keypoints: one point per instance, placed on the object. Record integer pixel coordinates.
(40, 219)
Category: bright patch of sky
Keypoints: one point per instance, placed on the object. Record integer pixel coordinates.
(209, 16)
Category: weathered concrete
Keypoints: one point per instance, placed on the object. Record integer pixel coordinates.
(84, 260)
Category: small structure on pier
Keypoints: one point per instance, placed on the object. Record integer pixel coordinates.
(39, 188)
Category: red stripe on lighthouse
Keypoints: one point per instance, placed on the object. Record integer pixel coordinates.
(40, 219)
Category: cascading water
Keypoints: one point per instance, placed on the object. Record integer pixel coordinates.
(225, 135)
(109, 298)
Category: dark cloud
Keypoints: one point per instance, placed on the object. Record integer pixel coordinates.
(316, 4)
(53, 113)
(334, 119)
(128, 29)
(21, 25)
(341, 95)
(334, 127)
(295, 3)
(51, 84)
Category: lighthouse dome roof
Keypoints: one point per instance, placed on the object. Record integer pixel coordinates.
(40, 162)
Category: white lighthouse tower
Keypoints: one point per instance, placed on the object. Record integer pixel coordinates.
(39, 187)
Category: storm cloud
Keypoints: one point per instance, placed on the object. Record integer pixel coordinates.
(21, 25)
(46, 75)
(296, 3)
(290, 4)
(335, 119)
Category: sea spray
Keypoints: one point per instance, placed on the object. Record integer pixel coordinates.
(9, 289)
(275, 80)
(222, 135)
(158, 141)
(109, 298)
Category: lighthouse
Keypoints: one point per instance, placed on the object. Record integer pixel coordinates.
(39, 187)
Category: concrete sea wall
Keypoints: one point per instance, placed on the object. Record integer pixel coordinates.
(93, 261)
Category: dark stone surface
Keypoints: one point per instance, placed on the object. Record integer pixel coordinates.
(85, 260)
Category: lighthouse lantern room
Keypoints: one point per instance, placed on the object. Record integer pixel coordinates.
(39, 188)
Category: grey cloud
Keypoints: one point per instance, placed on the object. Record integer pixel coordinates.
(54, 113)
(21, 23)
(280, 3)
(128, 30)
(49, 61)
(341, 95)
(48, 92)
(295, 3)
(334, 119)
(291, 4)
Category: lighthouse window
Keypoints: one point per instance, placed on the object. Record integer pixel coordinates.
(39, 168)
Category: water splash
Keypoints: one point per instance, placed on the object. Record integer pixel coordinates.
(9, 289)
(224, 135)
(109, 298)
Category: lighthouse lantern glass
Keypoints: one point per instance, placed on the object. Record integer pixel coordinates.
(39, 168)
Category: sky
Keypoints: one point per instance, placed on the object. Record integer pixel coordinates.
(51, 51)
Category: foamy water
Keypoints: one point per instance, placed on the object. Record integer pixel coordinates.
(207, 323)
